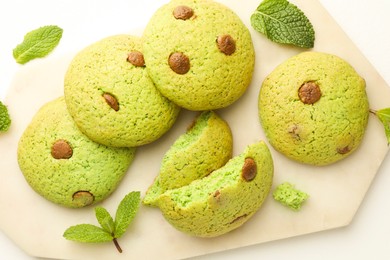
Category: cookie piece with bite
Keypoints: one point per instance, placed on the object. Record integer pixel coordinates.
(223, 200)
(314, 108)
(206, 146)
(199, 54)
(110, 96)
(63, 165)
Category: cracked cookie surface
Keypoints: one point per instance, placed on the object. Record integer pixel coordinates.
(63, 165)
(314, 108)
(111, 96)
(199, 54)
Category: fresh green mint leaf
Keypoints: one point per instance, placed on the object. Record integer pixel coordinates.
(87, 233)
(110, 230)
(126, 211)
(5, 120)
(384, 116)
(283, 22)
(37, 43)
(105, 220)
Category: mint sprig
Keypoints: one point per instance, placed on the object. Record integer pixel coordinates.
(384, 116)
(283, 22)
(109, 229)
(38, 43)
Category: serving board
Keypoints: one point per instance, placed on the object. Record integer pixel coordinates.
(336, 191)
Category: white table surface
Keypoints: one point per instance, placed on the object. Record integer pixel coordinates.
(365, 22)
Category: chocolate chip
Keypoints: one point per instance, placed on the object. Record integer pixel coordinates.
(309, 93)
(239, 218)
(343, 150)
(111, 101)
(61, 150)
(136, 58)
(179, 62)
(249, 169)
(183, 12)
(83, 198)
(226, 44)
(294, 131)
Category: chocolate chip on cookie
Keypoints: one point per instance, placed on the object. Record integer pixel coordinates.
(226, 44)
(61, 150)
(179, 63)
(136, 58)
(183, 12)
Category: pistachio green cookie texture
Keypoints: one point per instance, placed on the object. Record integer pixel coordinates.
(205, 147)
(223, 200)
(314, 108)
(112, 100)
(63, 165)
(289, 196)
(199, 54)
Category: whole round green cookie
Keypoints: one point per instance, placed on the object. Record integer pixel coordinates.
(111, 97)
(314, 108)
(205, 147)
(223, 200)
(199, 54)
(63, 165)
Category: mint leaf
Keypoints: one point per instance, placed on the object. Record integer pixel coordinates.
(87, 233)
(126, 211)
(105, 220)
(384, 116)
(37, 43)
(5, 120)
(282, 22)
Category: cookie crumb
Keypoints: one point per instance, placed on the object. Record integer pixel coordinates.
(287, 195)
